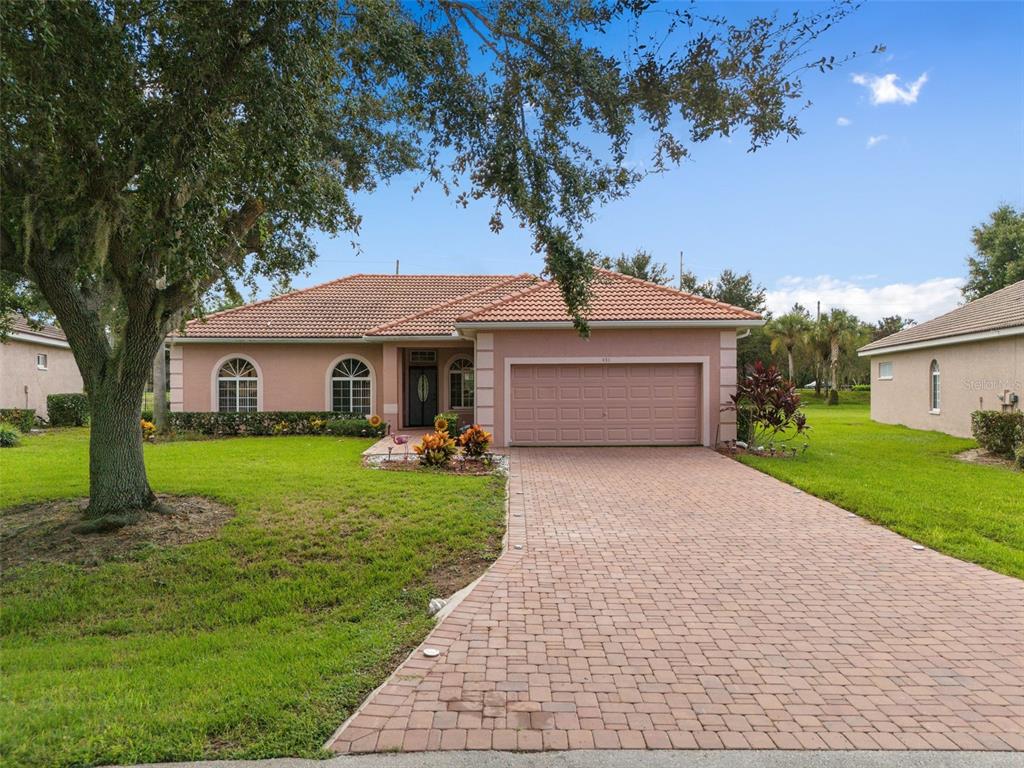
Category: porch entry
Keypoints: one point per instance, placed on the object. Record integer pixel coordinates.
(421, 395)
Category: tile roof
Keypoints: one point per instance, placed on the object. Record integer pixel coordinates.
(440, 320)
(1002, 309)
(614, 297)
(20, 325)
(430, 305)
(348, 307)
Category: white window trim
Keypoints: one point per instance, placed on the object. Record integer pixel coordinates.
(448, 382)
(214, 376)
(934, 372)
(880, 376)
(329, 379)
(705, 383)
(46, 361)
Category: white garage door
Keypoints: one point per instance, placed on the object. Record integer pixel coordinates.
(609, 404)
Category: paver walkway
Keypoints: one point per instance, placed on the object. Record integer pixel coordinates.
(673, 598)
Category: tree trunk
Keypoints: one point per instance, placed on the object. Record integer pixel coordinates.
(160, 389)
(834, 366)
(789, 354)
(117, 472)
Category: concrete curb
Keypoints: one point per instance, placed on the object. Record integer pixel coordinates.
(637, 759)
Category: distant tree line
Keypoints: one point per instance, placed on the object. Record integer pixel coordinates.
(823, 350)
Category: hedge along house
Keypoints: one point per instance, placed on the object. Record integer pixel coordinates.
(498, 350)
(934, 375)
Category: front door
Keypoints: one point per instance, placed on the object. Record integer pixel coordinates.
(421, 396)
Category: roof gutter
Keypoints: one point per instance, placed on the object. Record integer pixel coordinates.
(944, 341)
(626, 324)
(308, 339)
(32, 338)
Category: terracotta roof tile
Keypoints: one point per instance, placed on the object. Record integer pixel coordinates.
(1002, 309)
(440, 320)
(430, 305)
(615, 297)
(347, 307)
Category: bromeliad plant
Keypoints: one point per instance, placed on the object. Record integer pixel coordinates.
(771, 406)
(436, 449)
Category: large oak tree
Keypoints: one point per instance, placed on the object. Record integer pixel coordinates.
(155, 150)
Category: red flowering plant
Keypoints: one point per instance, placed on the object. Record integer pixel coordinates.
(769, 406)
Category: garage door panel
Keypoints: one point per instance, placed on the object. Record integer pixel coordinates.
(605, 404)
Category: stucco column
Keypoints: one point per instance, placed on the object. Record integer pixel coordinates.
(726, 385)
(389, 385)
(177, 378)
(483, 365)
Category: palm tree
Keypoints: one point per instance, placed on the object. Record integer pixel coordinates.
(840, 329)
(787, 332)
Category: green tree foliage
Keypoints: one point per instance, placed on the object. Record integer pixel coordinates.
(999, 253)
(788, 333)
(153, 151)
(841, 332)
(640, 264)
(740, 291)
(887, 326)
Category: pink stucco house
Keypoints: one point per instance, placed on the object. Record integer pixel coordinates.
(498, 350)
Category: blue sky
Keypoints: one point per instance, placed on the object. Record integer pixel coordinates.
(877, 225)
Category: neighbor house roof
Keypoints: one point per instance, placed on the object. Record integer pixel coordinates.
(614, 298)
(999, 313)
(21, 329)
(391, 306)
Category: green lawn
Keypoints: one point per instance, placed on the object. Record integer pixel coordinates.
(255, 643)
(907, 480)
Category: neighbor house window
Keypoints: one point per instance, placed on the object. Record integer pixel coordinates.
(460, 384)
(935, 389)
(350, 387)
(885, 370)
(41, 362)
(237, 387)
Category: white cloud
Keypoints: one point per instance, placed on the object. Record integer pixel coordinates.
(842, 122)
(884, 89)
(874, 141)
(920, 301)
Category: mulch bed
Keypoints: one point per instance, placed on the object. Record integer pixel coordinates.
(981, 456)
(44, 532)
(462, 467)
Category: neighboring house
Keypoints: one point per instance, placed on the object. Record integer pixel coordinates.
(933, 375)
(34, 363)
(499, 350)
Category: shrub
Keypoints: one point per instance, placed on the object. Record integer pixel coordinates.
(22, 418)
(861, 388)
(436, 449)
(9, 435)
(999, 432)
(475, 441)
(770, 405)
(447, 422)
(355, 427)
(274, 423)
(148, 428)
(68, 410)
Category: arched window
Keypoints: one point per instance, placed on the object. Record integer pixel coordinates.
(935, 389)
(351, 388)
(460, 383)
(237, 386)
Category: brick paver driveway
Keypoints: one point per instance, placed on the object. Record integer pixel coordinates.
(675, 598)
